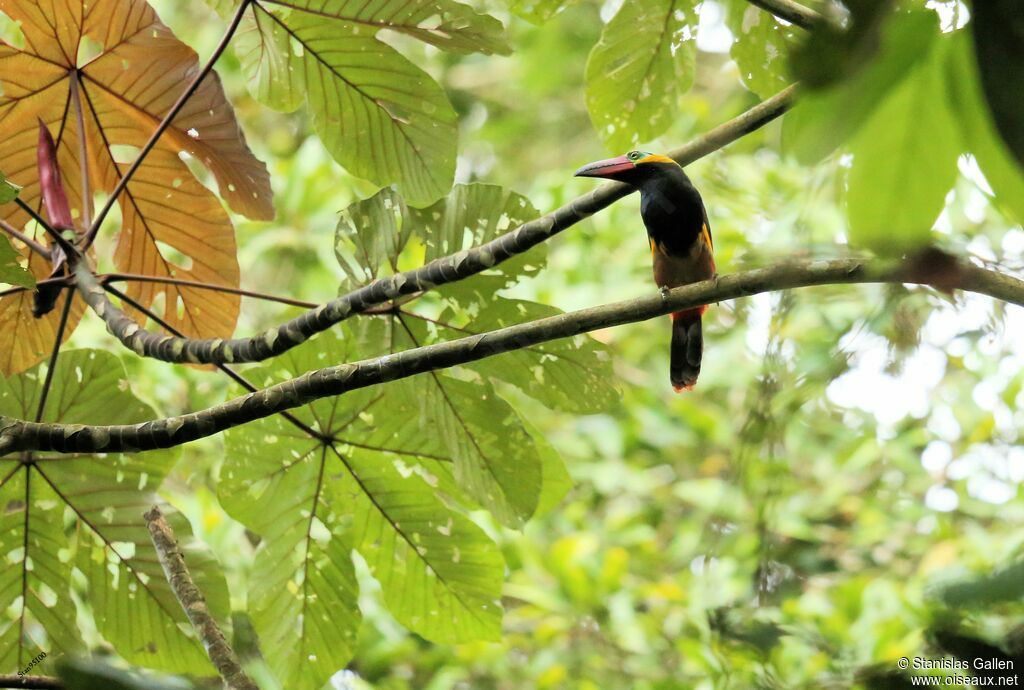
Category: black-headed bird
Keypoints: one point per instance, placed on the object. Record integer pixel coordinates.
(680, 239)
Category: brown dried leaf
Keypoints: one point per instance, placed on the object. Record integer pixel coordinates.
(125, 91)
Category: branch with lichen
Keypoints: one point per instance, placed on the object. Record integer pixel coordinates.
(944, 272)
(458, 266)
(194, 604)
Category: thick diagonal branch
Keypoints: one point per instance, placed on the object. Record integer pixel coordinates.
(19, 435)
(439, 272)
(194, 605)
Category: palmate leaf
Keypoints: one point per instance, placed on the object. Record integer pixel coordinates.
(85, 513)
(638, 70)
(377, 113)
(372, 482)
(124, 91)
(891, 202)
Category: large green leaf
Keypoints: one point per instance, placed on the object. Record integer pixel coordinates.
(378, 114)
(373, 481)
(904, 163)
(825, 119)
(639, 69)
(1003, 173)
(64, 512)
(760, 48)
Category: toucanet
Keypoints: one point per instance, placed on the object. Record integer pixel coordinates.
(680, 239)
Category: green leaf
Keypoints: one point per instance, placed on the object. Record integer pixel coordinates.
(824, 120)
(538, 11)
(761, 48)
(10, 270)
(832, 53)
(978, 131)
(372, 233)
(495, 461)
(639, 69)
(8, 191)
(471, 215)
(106, 539)
(572, 374)
(447, 24)
(904, 164)
(370, 481)
(984, 590)
(999, 45)
(377, 113)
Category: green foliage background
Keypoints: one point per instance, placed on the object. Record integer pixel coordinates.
(827, 499)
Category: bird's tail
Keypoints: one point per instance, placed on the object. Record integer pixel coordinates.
(687, 348)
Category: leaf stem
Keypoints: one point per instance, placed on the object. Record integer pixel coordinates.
(83, 150)
(165, 123)
(138, 278)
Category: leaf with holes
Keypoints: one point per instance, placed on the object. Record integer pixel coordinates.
(115, 98)
(62, 513)
(377, 113)
(638, 70)
(760, 49)
(351, 473)
(495, 460)
(373, 233)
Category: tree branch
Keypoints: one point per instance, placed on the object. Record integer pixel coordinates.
(439, 272)
(194, 605)
(189, 91)
(20, 435)
(792, 12)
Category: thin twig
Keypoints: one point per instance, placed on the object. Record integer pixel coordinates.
(194, 605)
(441, 271)
(138, 278)
(189, 91)
(792, 12)
(52, 367)
(20, 435)
(24, 239)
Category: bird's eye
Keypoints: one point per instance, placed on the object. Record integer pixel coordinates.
(633, 155)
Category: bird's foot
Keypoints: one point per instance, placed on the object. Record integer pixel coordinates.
(664, 293)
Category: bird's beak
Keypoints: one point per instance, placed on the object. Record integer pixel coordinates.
(609, 167)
